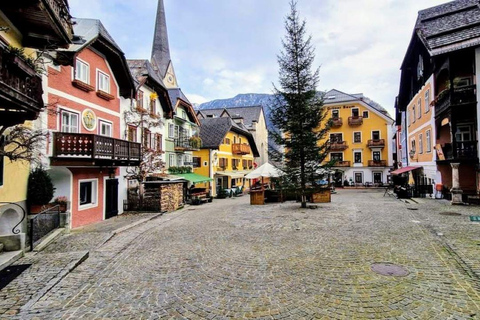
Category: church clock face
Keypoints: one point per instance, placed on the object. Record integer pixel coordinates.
(170, 78)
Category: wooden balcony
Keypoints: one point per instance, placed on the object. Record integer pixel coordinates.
(338, 146)
(377, 163)
(20, 89)
(337, 122)
(376, 143)
(355, 121)
(455, 97)
(240, 148)
(42, 23)
(79, 149)
(342, 164)
(464, 151)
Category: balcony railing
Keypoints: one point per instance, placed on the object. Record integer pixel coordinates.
(455, 97)
(465, 150)
(20, 89)
(93, 150)
(240, 148)
(376, 143)
(355, 121)
(187, 144)
(43, 23)
(338, 146)
(377, 163)
(337, 122)
(342, 164)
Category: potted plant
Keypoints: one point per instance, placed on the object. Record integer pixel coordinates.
(61, 201)
(195, 142)
(40, 190)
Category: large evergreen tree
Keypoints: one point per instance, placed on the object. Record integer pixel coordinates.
(298, 111)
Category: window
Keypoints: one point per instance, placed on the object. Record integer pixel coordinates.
(103, 82)
(357, 137)
(365, 114)
(171, 160)
(413, 146)
(244, 164)
(153, 107)
(338, 156)
(147, 139)
(419, 111)
(105, 128)
(177, 131)
(357, 156)
(414, 118)
(69, 122)
(377, 177)
(82, 71)
(88, 192)
(235, 163)
(171, 130)
(420, 143)
(427, 101)
(409, 120)
(355, 113)
(376, 135)
(140, 99)
(227, 141)
(335, 114)
(376, 155)
(184, 115)
(358, 177)
(132, 134)
(223, 162)
(158, 141)
(429, 140)
(250, 164)
(463, 133)
(197, 162)
(336, 137)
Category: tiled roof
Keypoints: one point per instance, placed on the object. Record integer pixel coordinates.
(214, 130)
(249, 114)
(143, 67)
(89, 30)
(450, 26)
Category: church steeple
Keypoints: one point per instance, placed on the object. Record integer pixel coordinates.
(161, 60)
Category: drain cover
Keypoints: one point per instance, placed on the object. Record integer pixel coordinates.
(448, 213)
(389, 269)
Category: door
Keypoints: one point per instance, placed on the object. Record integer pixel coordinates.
(111, 198)
(377, 177)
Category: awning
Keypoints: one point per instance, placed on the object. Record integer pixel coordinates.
(405, 169)
(232, 174)
(193, 177)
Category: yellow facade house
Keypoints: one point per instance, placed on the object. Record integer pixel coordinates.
(360, 139)
(227, 153)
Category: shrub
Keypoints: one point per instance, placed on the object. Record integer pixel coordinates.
(40, 187)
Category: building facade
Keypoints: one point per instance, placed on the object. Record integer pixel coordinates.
(360, 139)
(227, 153)
(85, 147)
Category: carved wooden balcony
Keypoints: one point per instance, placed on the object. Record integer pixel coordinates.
(455, 97)
(355, 121)
(337, 122)
(42, 23)
(338, 146)
(80, 149)
(240, 148)
(342, 164)
(376, 143)
(20, 89)
(377, 163)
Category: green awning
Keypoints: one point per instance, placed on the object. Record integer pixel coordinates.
(193, 177)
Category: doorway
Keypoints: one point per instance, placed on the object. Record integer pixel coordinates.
(111, 198)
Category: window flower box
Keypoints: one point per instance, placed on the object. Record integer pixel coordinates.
(105, 95)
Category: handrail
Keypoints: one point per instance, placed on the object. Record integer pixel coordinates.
(23, 218)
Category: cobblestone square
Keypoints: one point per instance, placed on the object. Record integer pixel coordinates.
(230, 260)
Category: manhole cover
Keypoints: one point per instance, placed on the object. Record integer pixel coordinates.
(448, 213)
(389, 269)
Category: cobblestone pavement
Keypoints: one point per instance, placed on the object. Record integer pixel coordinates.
(229, 260)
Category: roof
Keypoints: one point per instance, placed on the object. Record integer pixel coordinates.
(449, 27)
(160, 49)
(335, 96)
(249, 114)
(214, 130)
(193, 177)
(405, 169)
(93, 34)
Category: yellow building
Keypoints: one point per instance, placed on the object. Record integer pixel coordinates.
(360, 139)
(227, 153)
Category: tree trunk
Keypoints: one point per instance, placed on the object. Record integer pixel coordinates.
(302, 179)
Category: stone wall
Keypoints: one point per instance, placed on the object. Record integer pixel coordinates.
(171, 196)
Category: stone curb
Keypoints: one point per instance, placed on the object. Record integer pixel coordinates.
(49, 239)
(9, 257)
(69, 268)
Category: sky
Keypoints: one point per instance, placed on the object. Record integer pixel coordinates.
(221, 48)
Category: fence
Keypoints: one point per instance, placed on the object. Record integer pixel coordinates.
(43, 223)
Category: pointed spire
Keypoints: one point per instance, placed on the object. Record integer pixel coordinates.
(161, 50)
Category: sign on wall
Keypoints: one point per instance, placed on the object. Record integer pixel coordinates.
(89, 119)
